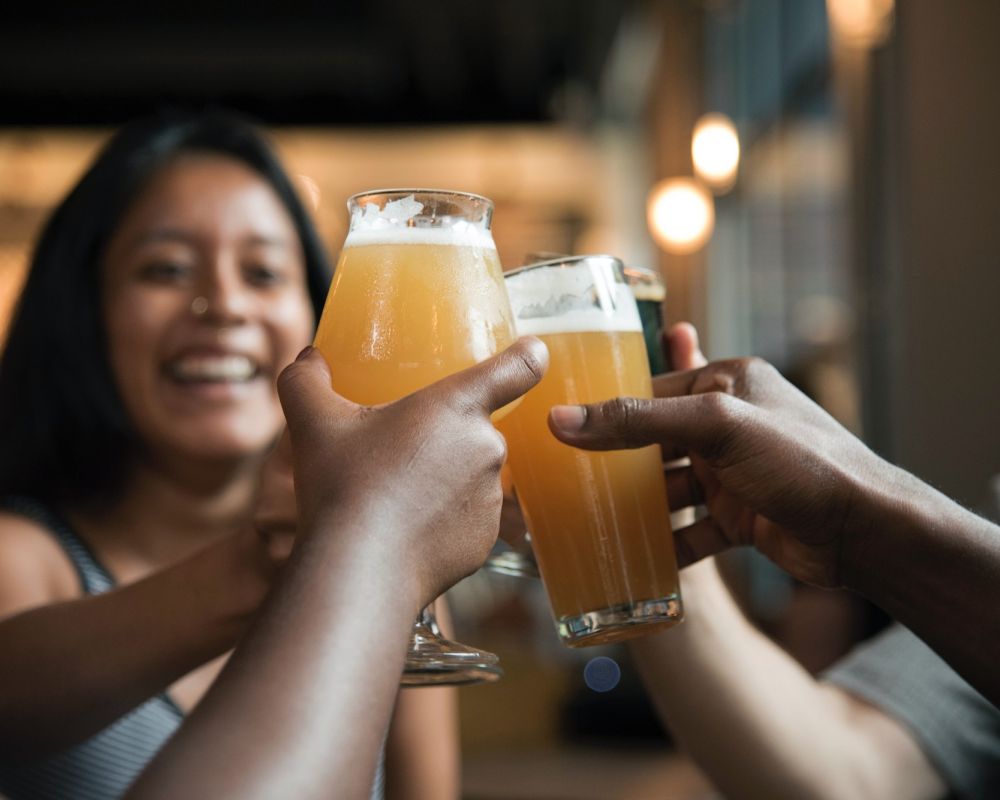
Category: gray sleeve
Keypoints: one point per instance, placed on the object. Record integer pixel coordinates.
(956, 727)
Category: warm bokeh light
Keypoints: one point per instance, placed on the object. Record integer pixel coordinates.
(715, 150)
(681, 215)
(861, 23)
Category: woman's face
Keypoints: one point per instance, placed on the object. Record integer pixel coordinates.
(205, 301)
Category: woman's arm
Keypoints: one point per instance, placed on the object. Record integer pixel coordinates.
(305, 700)
(68, 668)
(758, 723)
(422, 758)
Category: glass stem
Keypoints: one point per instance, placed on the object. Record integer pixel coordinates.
(428, 620)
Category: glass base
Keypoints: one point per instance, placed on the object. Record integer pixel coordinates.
(617, 623)
(432, 660)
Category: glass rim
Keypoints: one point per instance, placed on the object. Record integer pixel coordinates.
(567, 261)
(407, 191)
(645, 277)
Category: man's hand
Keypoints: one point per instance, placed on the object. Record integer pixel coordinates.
(774, 470)
(423, 473)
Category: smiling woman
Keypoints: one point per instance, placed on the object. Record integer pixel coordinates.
(205, 300)
(148, 204)
(135, 429)
(138, 404)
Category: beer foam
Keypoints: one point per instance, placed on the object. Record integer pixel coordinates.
(576, 301)
(461, 237)
(399, 223)
(646, 284)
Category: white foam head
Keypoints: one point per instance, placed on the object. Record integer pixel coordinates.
(646, 284)
(398, 222)
(586, 296)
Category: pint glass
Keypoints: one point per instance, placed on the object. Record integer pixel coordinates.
(418, 294)
(599, 521)
(649, 291)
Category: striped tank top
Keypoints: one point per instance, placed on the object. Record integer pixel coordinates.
(105, 765)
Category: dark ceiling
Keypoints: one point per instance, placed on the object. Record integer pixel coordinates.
(383, 61)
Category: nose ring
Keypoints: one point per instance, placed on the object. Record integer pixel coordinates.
(199, 306)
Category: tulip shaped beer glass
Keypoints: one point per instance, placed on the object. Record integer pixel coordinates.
(417, 295)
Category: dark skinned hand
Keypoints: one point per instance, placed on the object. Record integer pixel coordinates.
(423, 473)
(774, 470)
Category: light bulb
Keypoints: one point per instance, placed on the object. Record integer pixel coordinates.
(681, 215)
(715, 150)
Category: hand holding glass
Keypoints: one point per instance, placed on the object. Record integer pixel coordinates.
(418, 295)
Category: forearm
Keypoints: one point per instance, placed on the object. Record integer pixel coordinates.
(69, 669)
(318, 674)
(422, 751)
(752, 717)
(935, 567)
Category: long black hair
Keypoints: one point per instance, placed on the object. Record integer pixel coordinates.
(65, 437)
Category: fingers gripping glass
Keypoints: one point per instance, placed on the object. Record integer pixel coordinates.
(417, 295)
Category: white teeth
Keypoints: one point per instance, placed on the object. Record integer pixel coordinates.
(214, 368)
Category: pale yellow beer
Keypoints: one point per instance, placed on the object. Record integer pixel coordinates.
(599, 521)
(418, 295)
(400, 316)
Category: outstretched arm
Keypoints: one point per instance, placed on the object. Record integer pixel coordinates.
(778, 473)
(389, 518)
(760, 725)
(755, 720)
(198, 608)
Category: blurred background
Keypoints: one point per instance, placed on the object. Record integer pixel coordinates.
(815, 181)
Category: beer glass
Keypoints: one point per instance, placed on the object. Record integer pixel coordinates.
(599, 521)
(515, 558)
(649, 291)
(417, 295)
(512, 557)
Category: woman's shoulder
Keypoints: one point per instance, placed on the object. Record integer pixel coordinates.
(34, 568)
